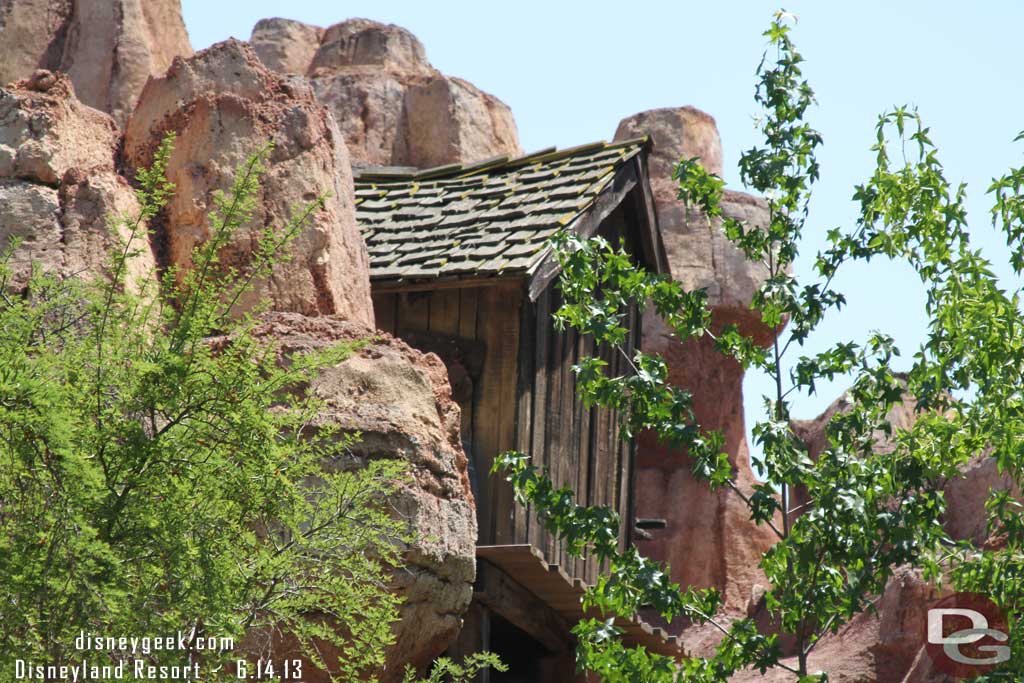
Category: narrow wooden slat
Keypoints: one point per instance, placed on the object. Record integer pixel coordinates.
(413, 312)
(537, 534)
(494, 421)
(509, 300)
(524, 422)
(467, 330)
(444, 312)
(627, 449)
(602, 462)
(584, 456)
(571, 449)
(384, 311)
(486, 413)
(610, 464)
(555, 440)
(467, 312)
(434, 284)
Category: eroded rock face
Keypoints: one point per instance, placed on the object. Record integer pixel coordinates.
(715, 522)
(108, 47)
(400, 401)
(451, 120)
(46, 131)
(812, 433)
(966, 516)
(59, 186)
(224, 105)
(31, 36)
(285, 45)
(699, 254)
(678, 133)
(709, 540)
(392, 106)
(369, 106)
(361, 42)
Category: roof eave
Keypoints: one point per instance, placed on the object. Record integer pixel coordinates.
(384, 285)
(630, 178)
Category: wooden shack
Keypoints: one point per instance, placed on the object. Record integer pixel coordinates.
(460, 266)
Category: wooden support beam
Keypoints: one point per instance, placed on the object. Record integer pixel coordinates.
(475, 637)
(497, 591)
(432, 285)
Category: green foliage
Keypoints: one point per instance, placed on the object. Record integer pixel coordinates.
(161, 471)
(868, 512)
(445, 670)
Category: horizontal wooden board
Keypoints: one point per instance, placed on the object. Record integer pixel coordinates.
(553, 586)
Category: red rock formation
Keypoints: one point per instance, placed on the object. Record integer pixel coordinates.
(699, 254)
(709, 540)
(678, 133)
(393, 107)
(223, 104)
(889, 646)
(58, 182)
(812, 433)
(966, 517)
(875, 648)
(400, 402)
(108, 47)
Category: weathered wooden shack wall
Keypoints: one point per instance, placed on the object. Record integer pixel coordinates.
(579, 445)
(475, 331)
(511, 373)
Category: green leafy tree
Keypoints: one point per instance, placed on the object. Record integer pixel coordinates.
(162, 471)
(869, 512)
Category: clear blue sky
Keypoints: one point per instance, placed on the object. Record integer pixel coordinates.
(571, 70)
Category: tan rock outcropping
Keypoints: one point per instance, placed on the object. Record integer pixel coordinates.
(400, 402)
(393, 107)
(699, 254)
(109, 48)
(285, 45)
(224, 105)
(59, 186)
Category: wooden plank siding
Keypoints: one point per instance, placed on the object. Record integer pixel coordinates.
(490, 316)
(579, 446)
(496, 402)
(524, 397)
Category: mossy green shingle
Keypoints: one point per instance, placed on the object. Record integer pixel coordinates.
(488, 219)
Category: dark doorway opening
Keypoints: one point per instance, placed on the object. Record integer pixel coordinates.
(519, 651)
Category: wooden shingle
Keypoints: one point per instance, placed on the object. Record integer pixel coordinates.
(490, 219)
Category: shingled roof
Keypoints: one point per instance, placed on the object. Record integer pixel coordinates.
(492, 219)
